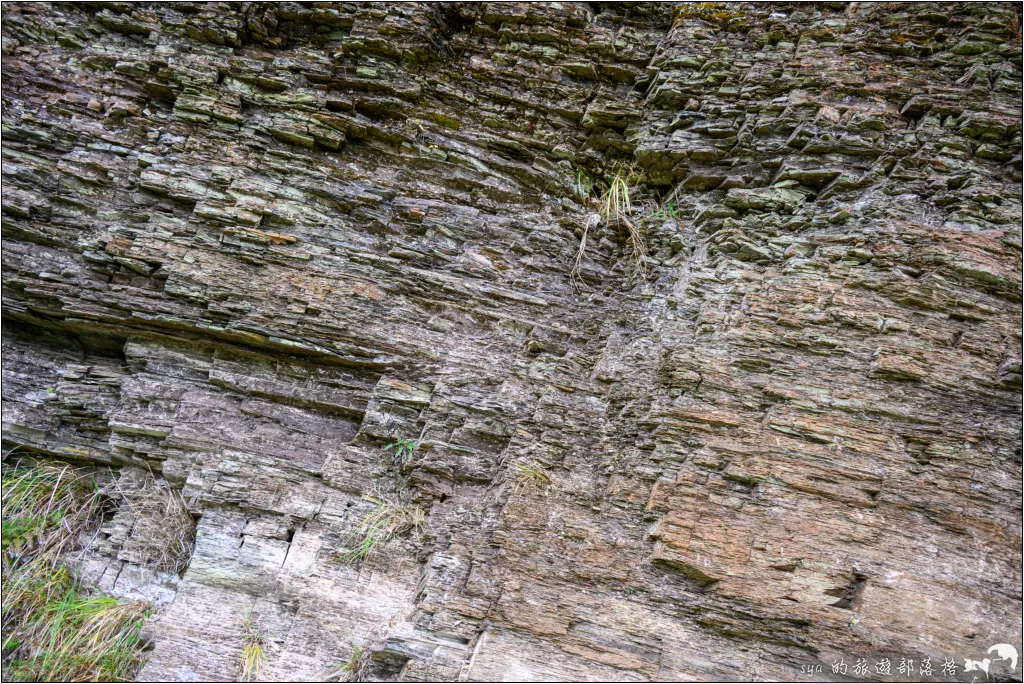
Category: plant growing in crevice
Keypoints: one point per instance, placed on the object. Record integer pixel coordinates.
(581, 186)
(388, 519)
(403, 449)
(250, 665)
(615, 201)
(665, 211)
(54, 628)
(615, 211)
(349, 669)
(529, 475)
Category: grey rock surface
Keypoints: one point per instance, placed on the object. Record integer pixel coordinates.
(248, 245)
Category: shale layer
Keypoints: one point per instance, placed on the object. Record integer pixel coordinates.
(246, 246)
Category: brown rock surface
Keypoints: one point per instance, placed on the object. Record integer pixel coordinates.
(247, 245)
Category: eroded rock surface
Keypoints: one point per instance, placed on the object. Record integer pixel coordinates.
(247, 245)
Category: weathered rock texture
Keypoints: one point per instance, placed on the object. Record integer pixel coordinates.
(245, 245)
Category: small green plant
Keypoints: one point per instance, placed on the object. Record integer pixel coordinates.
(403, 449)
(665, 212)
(387, 519)
(348, 669)
(250, 666)
(579, 187)
(528, 476)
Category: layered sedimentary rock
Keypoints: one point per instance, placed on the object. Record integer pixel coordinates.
(248, 245)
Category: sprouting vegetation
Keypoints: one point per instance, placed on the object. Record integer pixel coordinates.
(348, 669)
(666, 211)
(403, 449)
(388, 519)
(615, 210)
(54, 629)
(580, 187)
(250, 665)
(529, 475)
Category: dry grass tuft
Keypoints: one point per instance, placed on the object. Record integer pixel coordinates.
(577, 263)
(614, 211)
(387, 519)
(528, 476)
(164, 531)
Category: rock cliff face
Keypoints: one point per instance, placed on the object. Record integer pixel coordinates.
(248, 245)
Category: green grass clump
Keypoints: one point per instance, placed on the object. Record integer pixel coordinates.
(43, 505)
(581, 187)
(387, 519)
(254, 655)
(53, 628)
(76, 637)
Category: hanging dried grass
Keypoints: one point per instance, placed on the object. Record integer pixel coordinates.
(614, 211)
(163, 531)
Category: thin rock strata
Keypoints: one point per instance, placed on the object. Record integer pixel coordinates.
(248, 245)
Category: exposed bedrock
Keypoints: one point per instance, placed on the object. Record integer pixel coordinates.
(246, 246)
